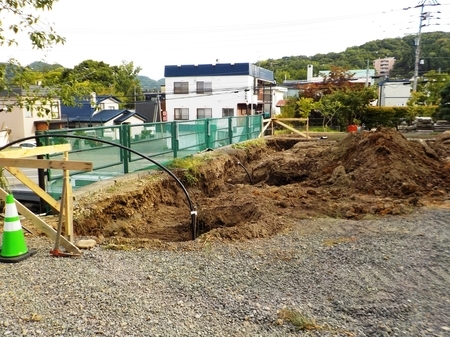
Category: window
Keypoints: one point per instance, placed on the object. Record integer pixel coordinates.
(204, 113)
(55, 111)
(181, 113)
(226, 112)
(181, 88)
(204, 87)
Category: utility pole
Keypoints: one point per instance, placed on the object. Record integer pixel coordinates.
(367, 73)
(423, 17)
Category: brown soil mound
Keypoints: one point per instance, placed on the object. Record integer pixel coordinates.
(384, 163)
(262, 189)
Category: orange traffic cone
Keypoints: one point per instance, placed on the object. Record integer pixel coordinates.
(14, 248)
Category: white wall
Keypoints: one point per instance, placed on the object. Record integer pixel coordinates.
(108, 104)
(395, 94)
(278, 93)
(227, 92)
(21, 121)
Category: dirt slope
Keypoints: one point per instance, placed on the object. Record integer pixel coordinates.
(264, 188)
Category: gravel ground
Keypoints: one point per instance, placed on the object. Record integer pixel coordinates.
(381, 277)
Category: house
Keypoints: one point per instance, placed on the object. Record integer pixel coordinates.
(152, 105)
(394, 92)
(23, 121)
(101, 111)
(217, 90)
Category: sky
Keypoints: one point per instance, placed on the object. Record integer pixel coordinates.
(152, 34)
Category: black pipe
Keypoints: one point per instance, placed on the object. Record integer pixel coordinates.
(41, 181)
(191, 205)
(248, 174)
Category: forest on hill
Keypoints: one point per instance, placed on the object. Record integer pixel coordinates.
(435, 55)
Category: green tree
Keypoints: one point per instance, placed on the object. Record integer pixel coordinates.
(25, 20)
(444, 106)
(428, 90)
(291, 109)
(127, 83)
(329, 107)
(353, 101)
(306, 105)
(97, 75)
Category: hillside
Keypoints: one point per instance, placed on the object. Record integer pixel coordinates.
(435, 53)
(147, 84)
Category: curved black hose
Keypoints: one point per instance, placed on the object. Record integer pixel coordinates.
(191, 205)
(248, 174)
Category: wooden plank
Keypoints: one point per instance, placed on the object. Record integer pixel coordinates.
(33, 186)
(292, 129)
(42, 225)
(291, 119)
(265, 128)
(46, 164)
(35, 151)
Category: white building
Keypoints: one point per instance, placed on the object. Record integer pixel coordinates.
(217, 90)
(22, 119)
(394, 92)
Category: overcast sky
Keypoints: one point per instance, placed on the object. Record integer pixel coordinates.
(153, 34)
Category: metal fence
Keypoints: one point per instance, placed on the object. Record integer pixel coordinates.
(162, 142)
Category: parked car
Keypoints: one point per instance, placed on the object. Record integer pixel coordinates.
(27, 145)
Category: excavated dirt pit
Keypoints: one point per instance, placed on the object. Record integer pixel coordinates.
(264, 188)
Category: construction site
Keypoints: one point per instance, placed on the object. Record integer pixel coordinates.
(260, 188)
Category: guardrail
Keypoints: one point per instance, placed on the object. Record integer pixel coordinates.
(163, 142)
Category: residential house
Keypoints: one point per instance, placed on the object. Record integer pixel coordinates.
(22, 120)
(394, 92)
(152, 106)
(100, 111)
(217, 90)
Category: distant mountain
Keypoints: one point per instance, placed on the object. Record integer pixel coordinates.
(147, 84)
(42, 66)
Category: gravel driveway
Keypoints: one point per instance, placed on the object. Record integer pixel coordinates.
(381, 277)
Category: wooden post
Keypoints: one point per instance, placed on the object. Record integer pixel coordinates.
(10, 160)
(68, 201)
(42, 225)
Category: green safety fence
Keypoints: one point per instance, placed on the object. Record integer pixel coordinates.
(163, 142)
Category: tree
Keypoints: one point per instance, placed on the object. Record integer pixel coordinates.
(291, 109)
(97, 75)
(24, 21)
(127, 83)
(306, 105)
(444, 106)
(353, 102)
(337, 78)
(329, 107)
(428, 90)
